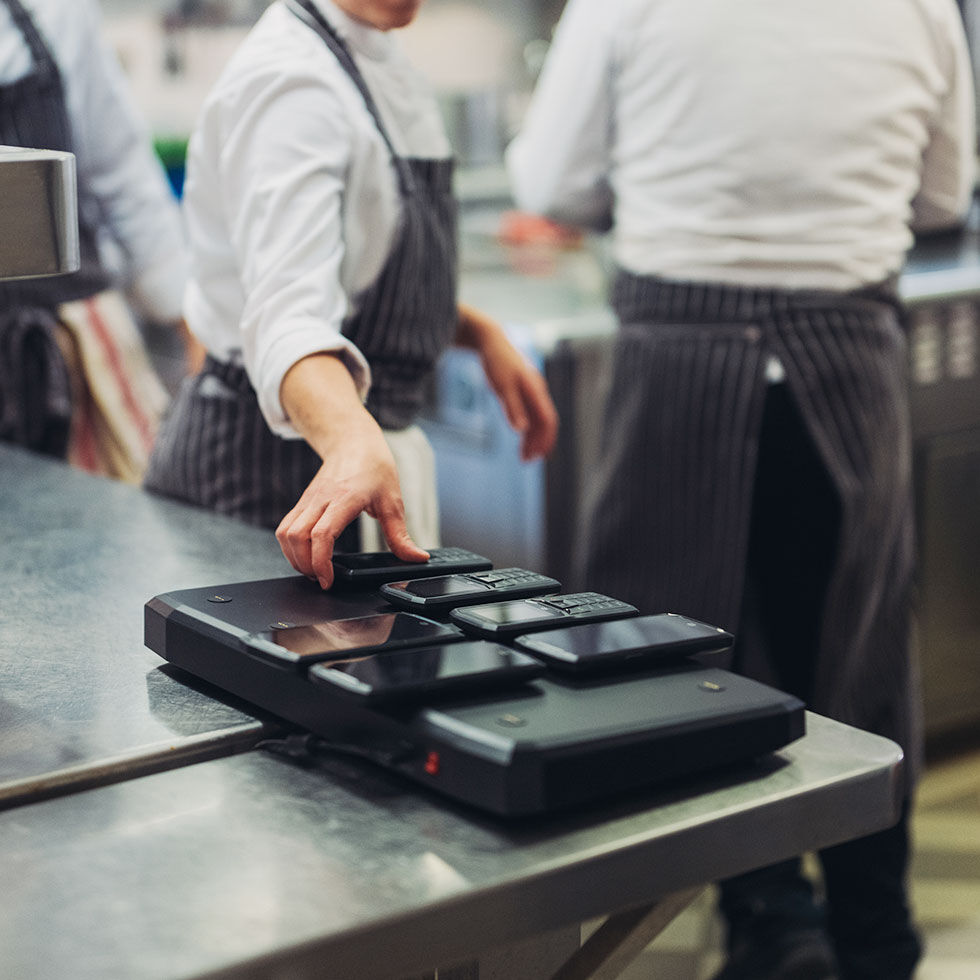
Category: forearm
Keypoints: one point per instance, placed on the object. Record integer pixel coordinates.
(358, 472)
(320, 398)
(518, 385)
(476, 331)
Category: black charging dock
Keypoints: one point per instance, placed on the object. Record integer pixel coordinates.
(546, 744)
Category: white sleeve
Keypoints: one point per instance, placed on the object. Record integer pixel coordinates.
(559, 162)
(284, 151)
(949, 162)
(121, 180)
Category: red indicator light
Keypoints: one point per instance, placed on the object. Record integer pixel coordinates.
(432, 763)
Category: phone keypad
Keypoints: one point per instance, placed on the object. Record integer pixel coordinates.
(587, 604)
(446, 556)
(506, 578)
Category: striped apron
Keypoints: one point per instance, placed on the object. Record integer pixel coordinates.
(668, 516)
(215, 448)
(35, 387)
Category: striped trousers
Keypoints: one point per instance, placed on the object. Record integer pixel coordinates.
(668, 515)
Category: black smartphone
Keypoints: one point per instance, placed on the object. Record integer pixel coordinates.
(639, 640)
(296, 647)
(402, 676)
(500, 620)
(368, 569)
(443, 592)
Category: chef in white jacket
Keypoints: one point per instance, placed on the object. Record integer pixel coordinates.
(320, 208)
(762, 167)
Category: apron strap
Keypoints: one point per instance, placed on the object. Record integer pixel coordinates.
(32, 37)
(308, 13)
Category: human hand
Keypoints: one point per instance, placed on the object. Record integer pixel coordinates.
(342, 489)
(519, 386)
(358, 473)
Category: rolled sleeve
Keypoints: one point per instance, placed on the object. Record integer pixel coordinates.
(285, 157)
(302, 340)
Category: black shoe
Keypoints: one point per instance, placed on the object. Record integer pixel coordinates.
(798, 955)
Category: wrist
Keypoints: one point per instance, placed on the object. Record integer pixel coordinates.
(475, 330)
(322, 403)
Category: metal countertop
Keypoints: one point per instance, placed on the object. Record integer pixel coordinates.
(81, 699)
(250, 865)
(256, 866)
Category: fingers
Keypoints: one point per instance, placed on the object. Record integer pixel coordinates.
(308, 533)
(531, 413)
(294, 541)
(326, 530)
(513, 405)
(399, 540)
(524, 396)
(539, 438)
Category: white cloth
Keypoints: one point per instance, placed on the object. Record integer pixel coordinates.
(291, 200)
(123, 190)
(773, 143)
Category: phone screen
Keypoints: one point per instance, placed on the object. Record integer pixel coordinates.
(653, 637)
(518, 611)
(340, 635)
(637, 634)
(397, 674)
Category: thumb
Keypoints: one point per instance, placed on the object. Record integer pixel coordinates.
(399, 540)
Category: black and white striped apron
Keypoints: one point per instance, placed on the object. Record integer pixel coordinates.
(667, 518)
(35, 390)
(216, 450)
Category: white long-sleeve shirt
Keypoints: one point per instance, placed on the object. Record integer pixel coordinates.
(291, 199)
(785, 143)
(122, 188)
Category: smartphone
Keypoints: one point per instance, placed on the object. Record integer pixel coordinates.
(401, 676)
(501, 620)
(296, 647)
(614, 643)
(368, 569)
(443, 592)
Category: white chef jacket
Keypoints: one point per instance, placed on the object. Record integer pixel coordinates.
(291, 199)
(783, 143)
(123, 190)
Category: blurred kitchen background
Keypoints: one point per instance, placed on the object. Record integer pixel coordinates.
(548, 288)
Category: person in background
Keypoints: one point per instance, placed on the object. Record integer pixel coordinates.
(760, 166)
(75, 377)
(321, 218)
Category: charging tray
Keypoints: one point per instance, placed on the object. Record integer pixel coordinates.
(548, 744)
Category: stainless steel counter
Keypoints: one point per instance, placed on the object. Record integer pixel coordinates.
(250, 866)
(81, 700)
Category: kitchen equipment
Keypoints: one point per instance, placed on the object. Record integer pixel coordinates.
(40, 225)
